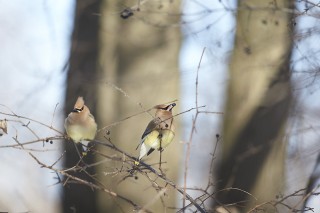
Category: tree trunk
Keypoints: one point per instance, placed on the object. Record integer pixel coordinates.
(138, 68)
(257, 107)
(81, 79)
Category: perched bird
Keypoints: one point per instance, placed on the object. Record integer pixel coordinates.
(80, 124)
(159, 132)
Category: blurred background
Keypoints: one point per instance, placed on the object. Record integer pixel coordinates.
(251, 66)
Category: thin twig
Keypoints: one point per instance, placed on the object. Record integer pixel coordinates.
(92, 185)
(54, 113)
(191, 134)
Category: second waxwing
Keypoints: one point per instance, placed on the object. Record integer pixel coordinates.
(159, 132)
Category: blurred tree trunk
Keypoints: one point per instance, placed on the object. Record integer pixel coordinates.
(81, 80)
(139, 55)
(257, 107)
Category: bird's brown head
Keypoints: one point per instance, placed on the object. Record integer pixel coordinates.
(79, 105)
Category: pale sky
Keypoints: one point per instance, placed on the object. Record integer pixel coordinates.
(34, 39)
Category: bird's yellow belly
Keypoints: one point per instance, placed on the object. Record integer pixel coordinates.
(157, 139)
(79, 133)
(166, 139)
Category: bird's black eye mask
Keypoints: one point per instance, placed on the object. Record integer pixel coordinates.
(77, 109)
(169, 107)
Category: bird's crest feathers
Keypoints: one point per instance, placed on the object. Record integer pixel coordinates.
(79, 103)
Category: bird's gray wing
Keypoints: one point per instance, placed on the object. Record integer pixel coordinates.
(151, 126)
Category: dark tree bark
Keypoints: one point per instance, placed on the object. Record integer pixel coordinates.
(81, 80)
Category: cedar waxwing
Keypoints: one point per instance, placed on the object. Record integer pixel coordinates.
(80, 124)
(159, 132)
